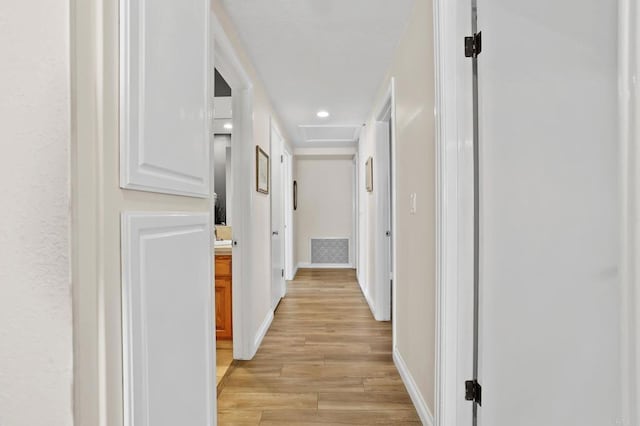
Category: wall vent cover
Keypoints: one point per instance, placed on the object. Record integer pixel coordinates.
(333, 251)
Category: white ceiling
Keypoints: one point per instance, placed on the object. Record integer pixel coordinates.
(321, 55)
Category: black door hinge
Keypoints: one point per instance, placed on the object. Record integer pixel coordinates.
(473, 391)
(282, 273)
(282, 158)
(473, 45)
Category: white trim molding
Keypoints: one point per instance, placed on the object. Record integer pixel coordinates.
(412, 388)
(149, 133)
(629, 107)
(384, 212)
(227, 62)
(308, 265)
(262, 331)
(452, 20)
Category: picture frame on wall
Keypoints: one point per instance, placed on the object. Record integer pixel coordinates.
(262, 171)
(295, 195)
(369, 174)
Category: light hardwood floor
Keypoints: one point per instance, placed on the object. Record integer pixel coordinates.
(325, 360)
(224, 358)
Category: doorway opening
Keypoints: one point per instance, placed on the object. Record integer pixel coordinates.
(287, 184)
(221, 155)
(281, 216)
(385, 238)
(232, 149)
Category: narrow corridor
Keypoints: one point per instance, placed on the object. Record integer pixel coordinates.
(325, 360)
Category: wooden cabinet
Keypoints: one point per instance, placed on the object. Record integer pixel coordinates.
(224, 326)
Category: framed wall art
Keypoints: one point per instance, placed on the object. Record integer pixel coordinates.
(262, 171)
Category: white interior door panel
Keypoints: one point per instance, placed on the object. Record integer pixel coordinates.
(277, 219)
(549, 214)
(164, 91)
(168, 338)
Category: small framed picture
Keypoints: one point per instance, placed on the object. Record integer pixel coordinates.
(369, 174)
(262, 171)
(295, 195)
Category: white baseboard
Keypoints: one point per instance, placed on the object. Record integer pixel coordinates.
(262, 331)
(367, 297)
(307, 265)
(416, 397)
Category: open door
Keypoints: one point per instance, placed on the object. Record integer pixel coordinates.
(548, 327)
(384, 236)
(287, 186)
(163, 207)
(277, 218)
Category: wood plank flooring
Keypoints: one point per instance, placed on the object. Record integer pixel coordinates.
(224, 358)
(325, 360)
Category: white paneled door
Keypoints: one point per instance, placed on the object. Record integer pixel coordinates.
(164, 96)
(167, 286)
(277, 219)
(168, 337)
(549, 299)
(383, 235)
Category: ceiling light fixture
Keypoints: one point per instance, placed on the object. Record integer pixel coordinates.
(323, 114)
(228, 126)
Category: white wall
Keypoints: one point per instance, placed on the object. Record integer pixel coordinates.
(35, 290)
(325, 202)
(415, 315)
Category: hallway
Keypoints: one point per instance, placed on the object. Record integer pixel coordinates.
(325, 360)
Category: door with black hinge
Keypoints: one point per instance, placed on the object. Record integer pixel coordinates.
(547, 289)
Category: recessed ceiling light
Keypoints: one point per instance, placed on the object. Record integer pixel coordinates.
(228, 126)
(323, 114)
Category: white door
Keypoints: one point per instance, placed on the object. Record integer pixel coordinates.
(277, 220)
(168, 328)
(549, 307)
(287, 205)
(382, 166)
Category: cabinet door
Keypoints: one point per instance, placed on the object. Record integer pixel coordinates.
(223, 308)
(223, 266)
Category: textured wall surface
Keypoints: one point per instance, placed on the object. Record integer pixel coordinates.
(35, 290)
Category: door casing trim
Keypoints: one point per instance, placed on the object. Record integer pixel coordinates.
(229, 65)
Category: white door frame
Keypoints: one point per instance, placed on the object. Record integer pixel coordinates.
(629, 107)
(228, 64)
(386, 111)
(454, 221)
(287, 183)
(454, 186)
(273, 128)
(355, 252)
